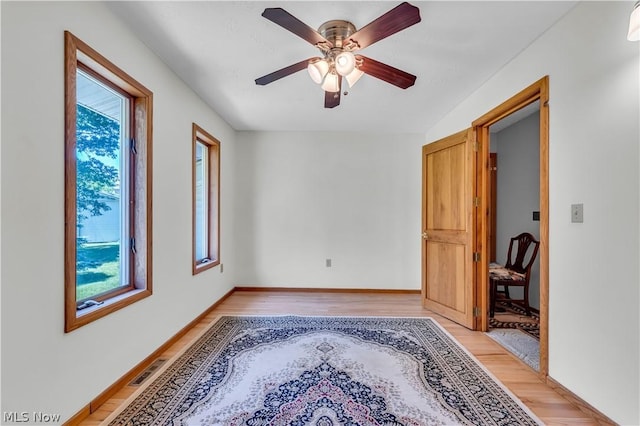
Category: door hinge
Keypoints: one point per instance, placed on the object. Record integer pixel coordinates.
(132, 245)
(132, 146)
(476, 201)
(476, 146)
(476, 311)
(476, 256)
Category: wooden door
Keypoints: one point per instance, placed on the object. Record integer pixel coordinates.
(448, 217)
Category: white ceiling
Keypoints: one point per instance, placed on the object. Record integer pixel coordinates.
(220, 47)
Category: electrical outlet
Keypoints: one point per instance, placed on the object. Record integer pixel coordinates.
(577, 213)
(328, 263)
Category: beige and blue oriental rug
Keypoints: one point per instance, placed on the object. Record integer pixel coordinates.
(323, 371)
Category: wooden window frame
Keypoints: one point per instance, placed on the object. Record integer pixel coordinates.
(79, 55)
(213, 207)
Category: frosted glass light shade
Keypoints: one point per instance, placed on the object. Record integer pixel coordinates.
(353, 76)
(345, 63)
(317, 70)
(330, 83)
(634, 24)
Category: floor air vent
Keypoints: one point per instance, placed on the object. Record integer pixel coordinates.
(148, 372)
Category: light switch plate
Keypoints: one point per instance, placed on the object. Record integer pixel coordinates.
(577, 213)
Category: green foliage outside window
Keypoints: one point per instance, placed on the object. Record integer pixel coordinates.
(97, 138)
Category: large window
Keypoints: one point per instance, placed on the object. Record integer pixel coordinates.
(107, 186)
(206, 200)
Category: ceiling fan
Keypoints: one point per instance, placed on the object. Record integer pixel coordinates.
(337, 40)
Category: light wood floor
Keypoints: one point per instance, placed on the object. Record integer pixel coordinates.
(551, 407)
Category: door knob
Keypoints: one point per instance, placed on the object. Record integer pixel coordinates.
(425, 235)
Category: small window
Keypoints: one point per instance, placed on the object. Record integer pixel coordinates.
(206, 200)
(107, 186)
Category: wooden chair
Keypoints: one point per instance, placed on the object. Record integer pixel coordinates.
(516, 272)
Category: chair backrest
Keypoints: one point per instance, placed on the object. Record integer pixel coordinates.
(523, 241)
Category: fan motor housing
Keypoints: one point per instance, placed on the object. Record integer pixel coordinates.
(336, 31)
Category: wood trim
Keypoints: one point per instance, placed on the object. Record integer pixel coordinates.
(106, 309)
(513, 104)
(480, 227)
(538, 91)
(141, 366)
(77, 418)
(143, 217)
(327, 290)
(70, 60)
(213, 207)
(79, 55)
(106, 68)
(544, 226)
(472, 224)
(583, 405)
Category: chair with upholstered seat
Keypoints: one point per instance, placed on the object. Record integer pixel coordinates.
(515, 273)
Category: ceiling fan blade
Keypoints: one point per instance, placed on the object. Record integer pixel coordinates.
(289, 22)
(332, 99)
(397, 19)
(386, 72)
(277, 75)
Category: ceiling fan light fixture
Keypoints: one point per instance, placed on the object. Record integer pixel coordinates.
(353, 76)
(345, 63)
(337, 41)
(318, 70)
(330, 83)
(634, 23)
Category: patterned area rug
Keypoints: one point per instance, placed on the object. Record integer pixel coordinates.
(527, 324)
(323, 371)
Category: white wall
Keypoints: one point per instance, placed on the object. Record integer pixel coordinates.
(44, 369)
(518, 195)
(350, 197)
(301, 198)
(594, 159)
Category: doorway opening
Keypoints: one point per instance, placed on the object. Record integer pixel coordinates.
(528, 107)
(456, 227)
(514, 190)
